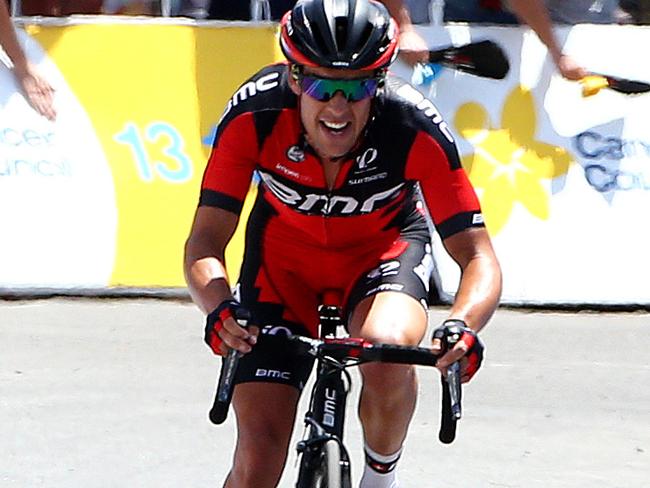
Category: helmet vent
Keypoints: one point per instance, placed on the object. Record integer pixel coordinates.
(341, 33)
(366, 34)
(319, 40)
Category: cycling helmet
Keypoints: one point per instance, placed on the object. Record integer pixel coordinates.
(346, 34)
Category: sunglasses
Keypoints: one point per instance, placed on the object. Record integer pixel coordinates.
(323, 89)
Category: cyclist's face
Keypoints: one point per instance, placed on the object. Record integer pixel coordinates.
(333, 124)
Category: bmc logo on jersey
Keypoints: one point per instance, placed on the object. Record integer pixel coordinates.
(324, 203)
(409, 93)
(252, 88)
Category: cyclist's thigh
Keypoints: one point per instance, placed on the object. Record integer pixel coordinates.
(389, 317)
(265, 415)
(389, 302)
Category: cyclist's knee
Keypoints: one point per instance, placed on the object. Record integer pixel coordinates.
(263, 445)
(255, 475)
(388, 378)
(259, 460)
(390, 318)
(389, 333)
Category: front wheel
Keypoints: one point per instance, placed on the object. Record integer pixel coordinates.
(328, 473)
(322, 468)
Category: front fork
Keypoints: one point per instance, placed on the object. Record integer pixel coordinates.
(325, 420)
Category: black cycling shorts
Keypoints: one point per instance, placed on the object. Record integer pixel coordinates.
(272, 360)
(404, 268)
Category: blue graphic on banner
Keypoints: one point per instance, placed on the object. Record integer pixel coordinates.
(29, 152)
(132, 136)
(614, 163)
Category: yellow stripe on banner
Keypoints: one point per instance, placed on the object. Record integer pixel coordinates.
(154, 94)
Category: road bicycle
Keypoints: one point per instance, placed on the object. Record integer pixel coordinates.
(324, 459)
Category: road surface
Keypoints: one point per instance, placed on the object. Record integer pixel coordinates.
(114, 393)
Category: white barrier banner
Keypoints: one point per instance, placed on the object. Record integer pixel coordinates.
(564, 180)
(104, 196)
(58, 213)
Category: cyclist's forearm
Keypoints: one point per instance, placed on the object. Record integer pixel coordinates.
(204, 264)
(205, 272)
(207, 281)
(478, 293)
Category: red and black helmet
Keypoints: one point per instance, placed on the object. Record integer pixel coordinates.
(343, 34)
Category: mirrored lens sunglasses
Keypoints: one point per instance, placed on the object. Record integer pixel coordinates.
(323, 89)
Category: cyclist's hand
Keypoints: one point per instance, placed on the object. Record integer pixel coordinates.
(465, 346)
(226, 328)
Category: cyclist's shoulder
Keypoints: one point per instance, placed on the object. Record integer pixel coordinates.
(405, 106)
(266, 90)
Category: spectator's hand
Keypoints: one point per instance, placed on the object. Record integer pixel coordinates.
(38, 92)
(412, 48)
(570, 69)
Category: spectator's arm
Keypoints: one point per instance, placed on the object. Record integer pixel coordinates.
(8, 39)
(412, 47)
(535, 15)
(35, 88)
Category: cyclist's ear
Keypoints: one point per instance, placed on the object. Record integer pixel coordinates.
(381, 74)
(294, 77)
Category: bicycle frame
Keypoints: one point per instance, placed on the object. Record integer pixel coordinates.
(325, 418)
(325, 421)
(322, 450)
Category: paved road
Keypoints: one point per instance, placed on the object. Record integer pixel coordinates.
(114, 393)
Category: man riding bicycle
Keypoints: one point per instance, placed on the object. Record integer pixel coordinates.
(344, 153)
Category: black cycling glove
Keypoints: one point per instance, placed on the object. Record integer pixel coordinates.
(215, 319)
(453, 331)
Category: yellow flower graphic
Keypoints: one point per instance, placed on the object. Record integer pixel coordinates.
(508, 165)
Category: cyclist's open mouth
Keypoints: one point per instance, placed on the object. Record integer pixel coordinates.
(335, 127)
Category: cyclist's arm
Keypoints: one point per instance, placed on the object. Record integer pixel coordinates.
(456, 212)
(224, 186)
(205, 269)
(206, 275)
(480, 284)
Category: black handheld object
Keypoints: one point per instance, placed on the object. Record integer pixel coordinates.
(223, 396)
(451, 396)
(629, 87)
(451, 404)
(225, 385)
(482, 58)
(447, 432)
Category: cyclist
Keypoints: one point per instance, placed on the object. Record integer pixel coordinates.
(342, 150)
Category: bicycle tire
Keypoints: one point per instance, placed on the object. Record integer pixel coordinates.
(323, 468)
(328, 474)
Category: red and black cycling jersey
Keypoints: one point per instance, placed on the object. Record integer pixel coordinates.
(405, 143)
